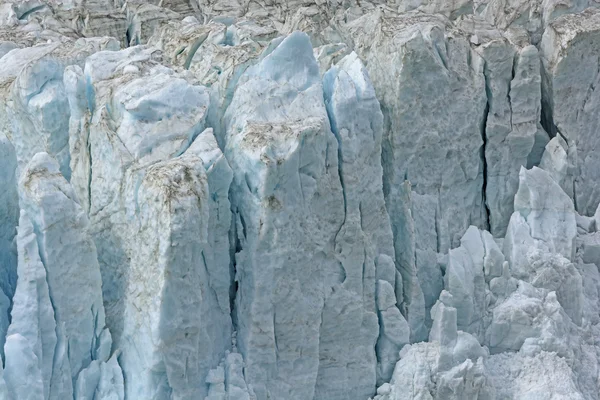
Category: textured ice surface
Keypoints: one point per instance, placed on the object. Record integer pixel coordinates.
(58, 327)
(570, 53)
(303, 221)
(160, 223)
(232, 200)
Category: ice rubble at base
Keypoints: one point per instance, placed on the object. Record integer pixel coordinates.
(235, 210)
(526, 310)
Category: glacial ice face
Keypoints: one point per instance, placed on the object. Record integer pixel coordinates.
(570, 51)
(296, 195)
(58, 222)
(441, 136)
(58, 327)
(33, 323)
(544, 217)
(172, 334)
(132, 124)
(219, 200)
(527, 319)
(514, 94)
(36, 115)
(357, 123)
(9, 214)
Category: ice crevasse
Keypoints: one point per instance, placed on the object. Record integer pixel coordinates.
(298, 200)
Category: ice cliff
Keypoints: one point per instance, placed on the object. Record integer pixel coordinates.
(299, 200)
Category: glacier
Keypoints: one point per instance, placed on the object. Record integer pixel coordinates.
(299, 200)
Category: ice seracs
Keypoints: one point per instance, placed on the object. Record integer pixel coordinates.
(437, 148)
(58, 327)
(570, 50)
(298, 223)
(132, 123)
(299, 200)
(548, 214)
(216, 249)
(450, 366)
(527, 309)
(167, 340)
(33, 323)
(357, 123)
(36, 112)
(512, 127)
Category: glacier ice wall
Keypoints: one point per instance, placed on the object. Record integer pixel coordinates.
(223, 199)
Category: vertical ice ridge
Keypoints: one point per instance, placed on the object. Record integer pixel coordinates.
(56, 255)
